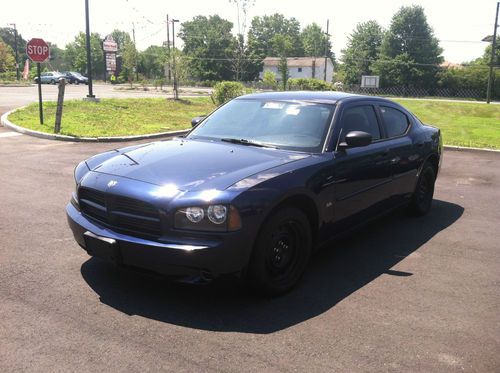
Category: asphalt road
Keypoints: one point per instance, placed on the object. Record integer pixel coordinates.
(405, 294)
(12, 97)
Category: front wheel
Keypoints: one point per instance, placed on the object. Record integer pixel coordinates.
(281, 252)
(424, 192)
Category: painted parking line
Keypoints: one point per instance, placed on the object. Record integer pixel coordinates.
(10, 134)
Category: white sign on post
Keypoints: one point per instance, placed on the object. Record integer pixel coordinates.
(370, 81)
(109, 45)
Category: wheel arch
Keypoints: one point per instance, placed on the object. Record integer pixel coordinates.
(304, 203)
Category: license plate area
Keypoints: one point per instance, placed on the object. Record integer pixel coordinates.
(102, 247)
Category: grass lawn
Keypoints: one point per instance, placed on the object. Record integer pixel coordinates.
(115, 117)
(462, 124)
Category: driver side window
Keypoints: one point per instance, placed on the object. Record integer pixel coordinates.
(360, 118)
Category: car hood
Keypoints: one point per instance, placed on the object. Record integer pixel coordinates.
(193, 165)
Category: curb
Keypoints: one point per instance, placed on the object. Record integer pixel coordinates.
(466, 149)
(49, 136)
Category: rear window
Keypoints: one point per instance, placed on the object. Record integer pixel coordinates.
(396, 122)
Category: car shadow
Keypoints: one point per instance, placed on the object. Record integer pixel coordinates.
(333, 274)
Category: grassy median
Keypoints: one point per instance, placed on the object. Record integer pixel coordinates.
(115, 117)
(461, 123)
(464, 124)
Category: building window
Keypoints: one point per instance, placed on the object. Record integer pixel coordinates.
(300, 69)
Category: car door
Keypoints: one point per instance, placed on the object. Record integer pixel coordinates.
(405, 154)
(361, 176)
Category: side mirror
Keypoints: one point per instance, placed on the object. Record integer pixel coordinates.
(195, 121)
(356, 139)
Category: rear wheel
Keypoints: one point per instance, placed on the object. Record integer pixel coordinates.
(424, 192)
(52, 81)
(281, 252)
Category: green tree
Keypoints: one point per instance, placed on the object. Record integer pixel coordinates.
(207, 43)
(412, 40)
(152, 62)
(239, 52)
(284, 46)
(7, 61)
(314, 40)
(58, 60)
(263, 30)
(76, 54)
(130, 58)
(485, 59)
(8, 36)
(121, 38)
(363, 48)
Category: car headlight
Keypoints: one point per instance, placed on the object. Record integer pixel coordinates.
(217, 214)
(195, 214)
(216, 218)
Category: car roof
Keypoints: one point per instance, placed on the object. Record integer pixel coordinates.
(319, 96)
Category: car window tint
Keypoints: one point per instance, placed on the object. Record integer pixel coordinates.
(360, 118)
(396, 122)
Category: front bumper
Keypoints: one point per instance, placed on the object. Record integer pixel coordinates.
(185, 258)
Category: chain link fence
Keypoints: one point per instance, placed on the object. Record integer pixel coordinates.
(402, 91)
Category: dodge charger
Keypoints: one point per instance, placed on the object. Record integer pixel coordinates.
(255, 187)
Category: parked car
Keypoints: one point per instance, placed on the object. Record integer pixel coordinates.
(255, 186)
(49, 77)
(73, 77)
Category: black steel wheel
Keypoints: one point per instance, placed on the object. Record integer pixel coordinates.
(424, 192)
(281, 252)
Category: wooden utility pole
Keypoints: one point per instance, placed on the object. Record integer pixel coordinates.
(168, 51)
(326, 47)
(492, 60)
(176, 91)
(136, 53)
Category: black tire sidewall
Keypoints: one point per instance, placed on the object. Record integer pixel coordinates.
(417, 206)
(257, 274)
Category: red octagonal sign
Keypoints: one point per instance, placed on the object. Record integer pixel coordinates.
(37, 50)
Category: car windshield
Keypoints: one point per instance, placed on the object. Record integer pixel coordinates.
(291, 125)
(78, 75)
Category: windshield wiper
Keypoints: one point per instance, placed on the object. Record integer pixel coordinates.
(247, 142)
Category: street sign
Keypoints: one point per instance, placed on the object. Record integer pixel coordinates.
(110, 62)
(109, 45)
(37, 50)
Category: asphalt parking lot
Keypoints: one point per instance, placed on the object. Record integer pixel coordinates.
(404, 294)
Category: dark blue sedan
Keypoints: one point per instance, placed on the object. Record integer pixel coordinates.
(255, 187)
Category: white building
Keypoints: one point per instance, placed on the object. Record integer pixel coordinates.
(301, 67)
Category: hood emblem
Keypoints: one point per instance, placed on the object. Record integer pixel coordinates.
(112, 183)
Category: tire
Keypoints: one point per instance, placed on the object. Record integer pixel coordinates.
(52, 81)
(424, 192)
(76, 82)
(281, 252)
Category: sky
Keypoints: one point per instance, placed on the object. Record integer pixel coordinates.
(459, 25)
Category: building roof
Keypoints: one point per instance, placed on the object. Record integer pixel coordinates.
(451, 64)
(295, 61)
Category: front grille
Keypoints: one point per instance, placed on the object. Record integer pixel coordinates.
(122, 213)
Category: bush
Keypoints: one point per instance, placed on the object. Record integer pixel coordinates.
(308, 84)
(225, 91)
(269, 80)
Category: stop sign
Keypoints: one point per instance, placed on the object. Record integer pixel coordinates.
(37, 50)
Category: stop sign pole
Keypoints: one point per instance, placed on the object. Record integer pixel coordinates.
(38, 51)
